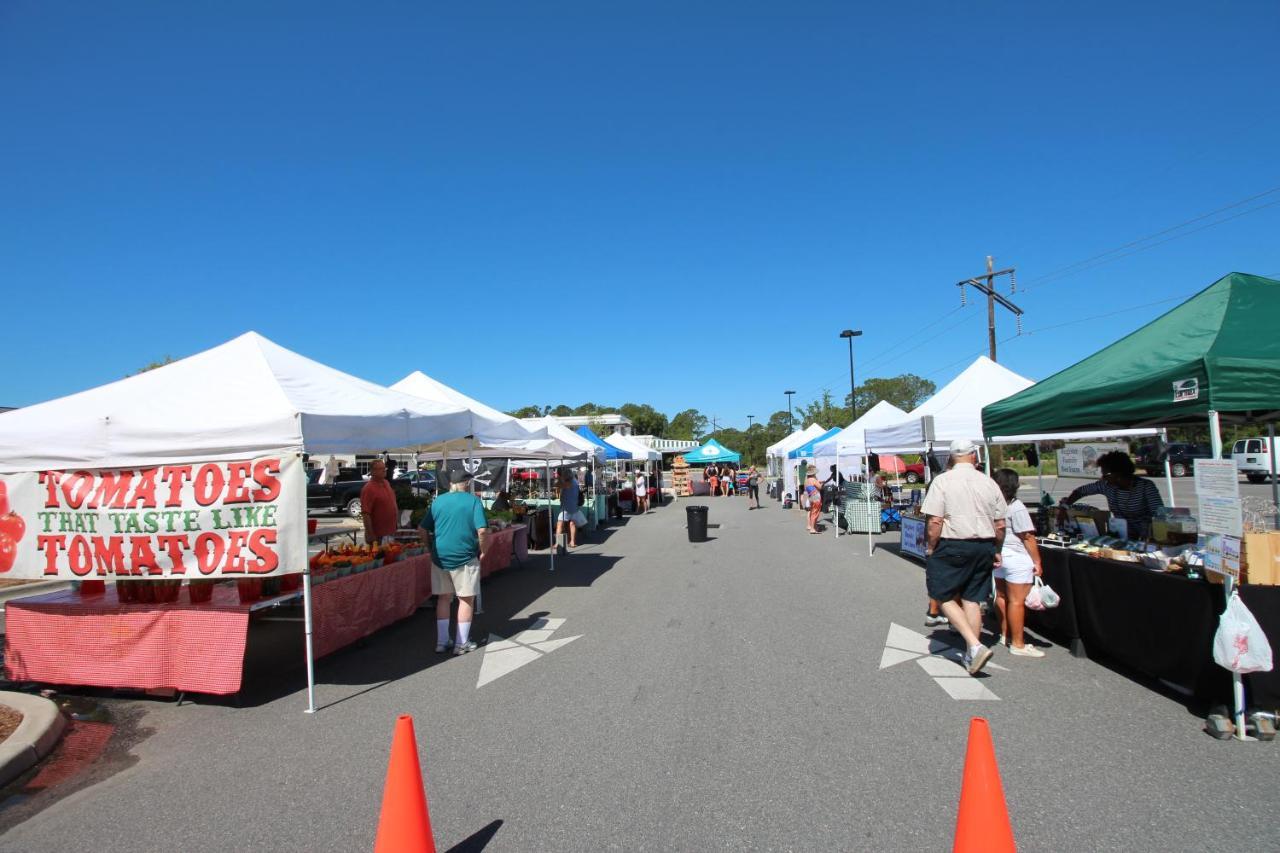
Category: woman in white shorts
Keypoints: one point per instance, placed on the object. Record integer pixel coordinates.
(1019, 567)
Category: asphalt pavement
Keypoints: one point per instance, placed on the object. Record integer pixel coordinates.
(725, 695)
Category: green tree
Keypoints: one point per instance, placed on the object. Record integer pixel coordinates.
(825, 412)
(561, 411)
(527, 412)
(906, 392)
(168, 359)
(644, 418)
(594, 409)
(686, 425)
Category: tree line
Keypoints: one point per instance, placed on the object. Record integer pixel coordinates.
(906, 392)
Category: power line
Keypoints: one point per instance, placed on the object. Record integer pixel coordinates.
(1104, 257)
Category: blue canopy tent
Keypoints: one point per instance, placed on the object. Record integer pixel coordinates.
(610, 452)
(712, 451)
(805, 451)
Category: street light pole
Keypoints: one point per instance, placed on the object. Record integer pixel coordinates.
(853, 388)
(750, 418)
(791, 425)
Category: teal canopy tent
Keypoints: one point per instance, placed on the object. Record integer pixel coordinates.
(712, 451)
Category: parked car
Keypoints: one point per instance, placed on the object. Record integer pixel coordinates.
(1253, 458)
(418, 482)
(343, 495)
(914, 472)
(1181, 455)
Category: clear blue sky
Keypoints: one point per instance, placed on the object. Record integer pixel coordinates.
(512, 197)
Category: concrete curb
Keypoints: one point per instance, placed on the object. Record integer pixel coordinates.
(37, 734)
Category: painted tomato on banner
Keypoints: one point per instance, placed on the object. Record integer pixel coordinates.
(199, 519)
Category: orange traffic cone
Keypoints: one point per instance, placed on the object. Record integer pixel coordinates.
(983, 823)
(404, 825)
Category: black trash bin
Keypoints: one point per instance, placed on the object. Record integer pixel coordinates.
(696, 518)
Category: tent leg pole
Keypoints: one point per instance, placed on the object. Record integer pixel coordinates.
(1215, 435)
(1039, 473)
(1275, 483)
(306, 627)
(551, 524)
(836, 515)
(1168, 468)
(871, 543)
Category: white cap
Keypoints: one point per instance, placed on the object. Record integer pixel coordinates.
(962, 447)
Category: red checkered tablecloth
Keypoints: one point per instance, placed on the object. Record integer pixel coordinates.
(498, 551)
(96, 641)
(346, 609)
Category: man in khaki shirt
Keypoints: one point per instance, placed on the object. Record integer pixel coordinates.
(966, 513)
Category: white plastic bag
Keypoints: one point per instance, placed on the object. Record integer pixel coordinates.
(1042, 596)
(1240, 645)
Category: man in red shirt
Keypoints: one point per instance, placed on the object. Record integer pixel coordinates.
(378, 505)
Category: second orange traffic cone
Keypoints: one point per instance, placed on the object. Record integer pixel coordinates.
(982, 825)
(404, 825)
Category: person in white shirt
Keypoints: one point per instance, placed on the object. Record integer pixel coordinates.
(1019, 567)
(965, 535)
(642, 493)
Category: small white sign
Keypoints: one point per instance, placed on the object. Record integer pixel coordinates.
(1186, 389)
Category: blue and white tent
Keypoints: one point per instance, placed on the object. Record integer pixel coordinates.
(610, 452)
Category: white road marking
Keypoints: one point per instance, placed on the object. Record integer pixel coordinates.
(503, 656)
(939, 659)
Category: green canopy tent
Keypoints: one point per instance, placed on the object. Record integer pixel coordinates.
(1216, 355)
(1218, 352)
(712, 451)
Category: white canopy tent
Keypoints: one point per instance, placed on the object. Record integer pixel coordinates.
(242, 398)
(639, 452)
(236, 399)
(846, 447)
(955, 410)
(499, 435)
(776, 454)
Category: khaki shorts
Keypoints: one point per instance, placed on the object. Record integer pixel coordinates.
(463, 581)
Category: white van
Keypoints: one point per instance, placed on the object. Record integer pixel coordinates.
(1253, 459)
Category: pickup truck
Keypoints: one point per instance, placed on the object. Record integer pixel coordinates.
(340, 496)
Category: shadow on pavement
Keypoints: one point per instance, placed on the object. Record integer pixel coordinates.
(274, 657)
(478, 841)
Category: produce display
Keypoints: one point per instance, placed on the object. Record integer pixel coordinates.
(12, 529)
(353, 559)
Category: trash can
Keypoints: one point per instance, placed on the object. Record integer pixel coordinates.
(696, 518)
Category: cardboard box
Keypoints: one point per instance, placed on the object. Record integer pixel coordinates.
(1261, 558)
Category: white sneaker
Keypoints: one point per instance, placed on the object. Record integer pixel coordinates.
(1026, 651)
(978, 660)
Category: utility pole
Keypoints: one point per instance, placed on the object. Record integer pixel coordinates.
(989, 288)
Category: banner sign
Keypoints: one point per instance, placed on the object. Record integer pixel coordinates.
(1081, 460)
(490, 474)
(195, 519)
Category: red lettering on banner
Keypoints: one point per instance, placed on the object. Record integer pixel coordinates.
(174, 545)
(112, 488)
(266, 474)
(51, 545)
(208, 483)
(236, 542)
(143, 556)
(51, 480)
(262, 543)
(175, 476)
(108, 553)
(209, 550)
(79, 557)
(144, 494)
(76, 488)
(237, 474)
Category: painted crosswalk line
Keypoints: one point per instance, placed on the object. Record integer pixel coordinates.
(503, 656)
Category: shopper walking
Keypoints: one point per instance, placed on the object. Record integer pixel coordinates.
(378, 509)
(1019, 567)
(966, 529)
(728, 479)
(569, 499)
(713, 478)
(813, 494)
(455, 529)
(642, 493)
(753, 487)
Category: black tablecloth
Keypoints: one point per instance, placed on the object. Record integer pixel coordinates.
(1059, 623)
(1262, 689)
(1159, 624)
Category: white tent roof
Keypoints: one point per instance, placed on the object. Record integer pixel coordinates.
(850, 441)
(797, 438)
(637, 450)
(243, 397)
(566, 436)
(956, 409)
(502, 436)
